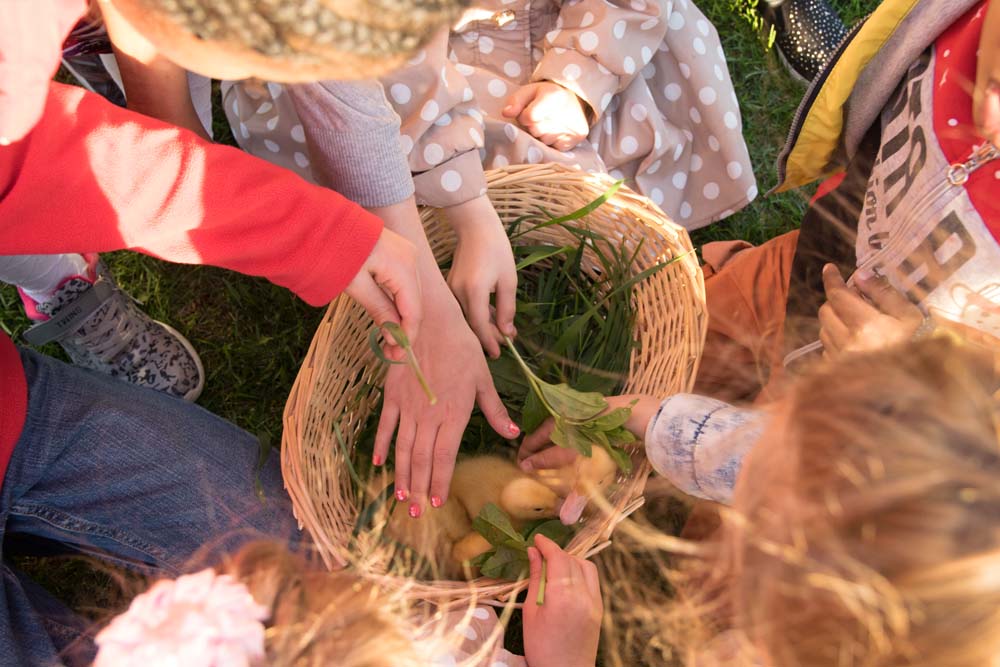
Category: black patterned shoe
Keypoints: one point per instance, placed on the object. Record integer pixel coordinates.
(807, 32)
(100, 327)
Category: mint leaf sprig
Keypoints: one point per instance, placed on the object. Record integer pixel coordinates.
(579, 422)
(403, 341)
(508, 559)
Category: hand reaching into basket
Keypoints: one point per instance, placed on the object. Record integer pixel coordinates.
(564, 631)
(538, 452)
(483, 265)
(451, 357)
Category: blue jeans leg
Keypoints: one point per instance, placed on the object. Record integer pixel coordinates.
(132, 476)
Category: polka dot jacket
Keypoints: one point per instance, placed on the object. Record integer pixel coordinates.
(652, 76)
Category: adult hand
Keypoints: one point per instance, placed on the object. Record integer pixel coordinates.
(388, 287)
(874, 316)
(565, 629)
(428, 436)
(986, 96)
(483, 265)
(551, 113)
(537, 452)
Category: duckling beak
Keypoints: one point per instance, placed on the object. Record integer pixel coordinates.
(572, 508)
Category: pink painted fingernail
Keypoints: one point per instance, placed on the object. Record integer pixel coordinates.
(436, 501)
(402, 495)
(512, 427)
(376, 460)
(414, 510)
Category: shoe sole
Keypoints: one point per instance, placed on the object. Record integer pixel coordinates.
(192, 395)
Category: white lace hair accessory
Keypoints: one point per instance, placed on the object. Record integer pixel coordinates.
(199, 620)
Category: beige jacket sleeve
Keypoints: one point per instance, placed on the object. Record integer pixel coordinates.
(599, 46)
(442, 126)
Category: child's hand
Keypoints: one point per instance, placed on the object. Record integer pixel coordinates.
(538, 453)
(388, 286)
(564, 631)
(986, 97)
(874, 316)
(483, 265)
(551, 113)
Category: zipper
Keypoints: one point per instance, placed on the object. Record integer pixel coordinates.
(810, 96)
(956, 176)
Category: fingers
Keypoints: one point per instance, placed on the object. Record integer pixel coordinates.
(383, 436)
(475, 302)
(592, 578)
(421, 463)
(536, 441)
(833, 333)
(494, 410)
(534, 580)
(404, 450)
(405, 293)
(887, 298)
(557, 561)
(506, 304)
(850, 308)
(553, 457)
(445, 449)
(520, 99)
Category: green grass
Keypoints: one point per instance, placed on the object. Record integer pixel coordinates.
(252, 335)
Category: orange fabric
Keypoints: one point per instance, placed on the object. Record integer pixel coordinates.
(745, 288)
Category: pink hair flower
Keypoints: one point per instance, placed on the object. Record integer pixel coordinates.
(199, 620)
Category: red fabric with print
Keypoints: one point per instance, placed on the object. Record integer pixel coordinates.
(955, 62)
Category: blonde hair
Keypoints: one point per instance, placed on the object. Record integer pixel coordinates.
(865, 533)
(319, 618)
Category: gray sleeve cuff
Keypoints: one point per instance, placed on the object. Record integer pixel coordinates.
(698, 444)
(353, 138)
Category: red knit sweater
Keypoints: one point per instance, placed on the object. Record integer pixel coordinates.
(91, 177)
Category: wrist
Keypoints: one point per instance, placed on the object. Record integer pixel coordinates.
(470, 216)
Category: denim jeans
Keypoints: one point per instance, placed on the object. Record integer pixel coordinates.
(128, 475)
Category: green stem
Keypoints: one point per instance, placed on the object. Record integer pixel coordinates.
(540, 598)
(533, 379)
(420, 375)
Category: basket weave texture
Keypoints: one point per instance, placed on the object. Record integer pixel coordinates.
(336, 380)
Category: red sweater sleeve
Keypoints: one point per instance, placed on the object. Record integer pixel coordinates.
(91, 177)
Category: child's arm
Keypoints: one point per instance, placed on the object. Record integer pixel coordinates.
(697, 443)
(564, 630)
(442, 133)
(601, 46)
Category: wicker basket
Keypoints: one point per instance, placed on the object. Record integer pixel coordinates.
(335, 382)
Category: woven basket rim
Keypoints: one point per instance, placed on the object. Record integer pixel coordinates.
(685, 284)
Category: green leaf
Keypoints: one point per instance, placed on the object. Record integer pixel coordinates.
(542, 253)
(508, 563)
(577, 214)
(507, 376)
(494, 524)
(552, 529)
(611, 420)
(533, 413)
(570, 404)
(397, 334)
(479, 560)
(377, 349)
(565, 435)
(620, 457)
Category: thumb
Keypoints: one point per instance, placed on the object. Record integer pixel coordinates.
(494, 410)
(534, 581)
(520, 99)
(379, 307)
(553, 457)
